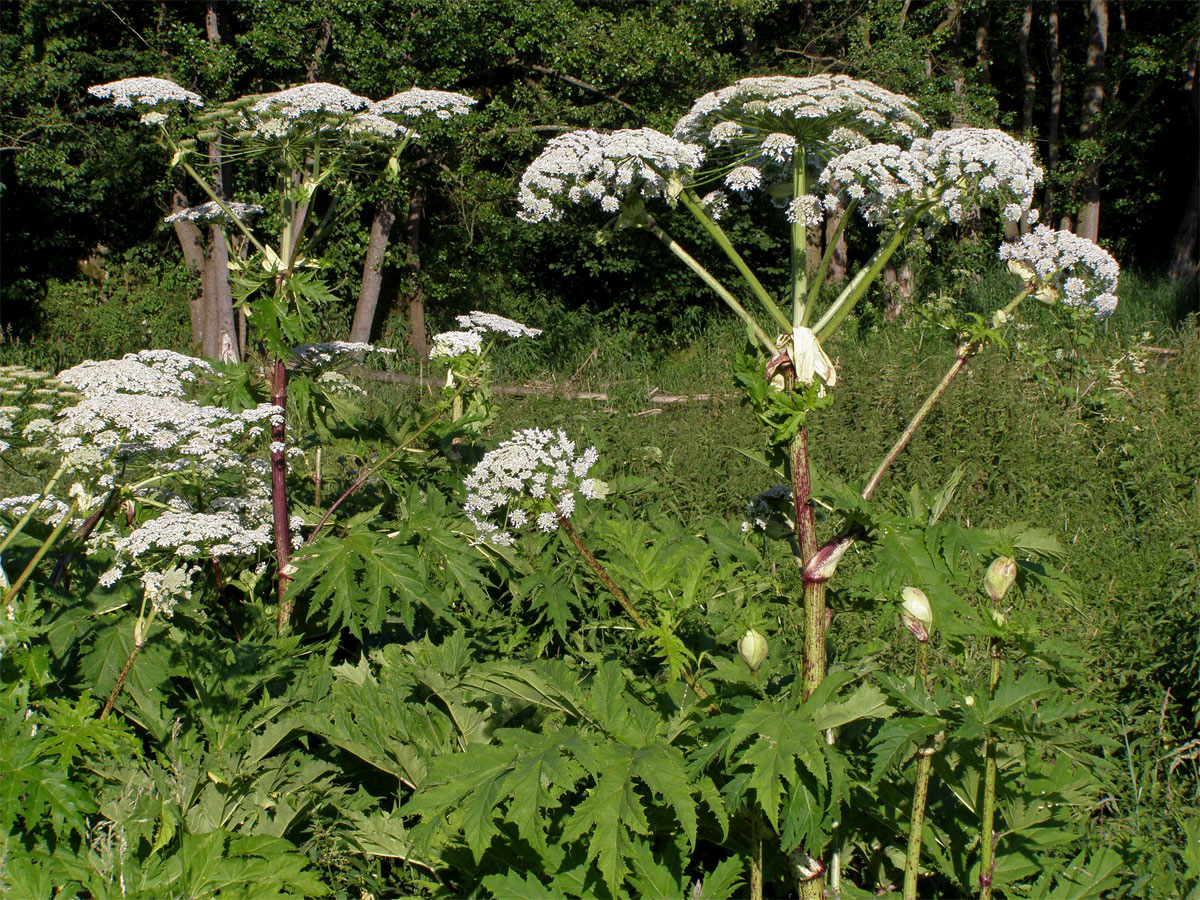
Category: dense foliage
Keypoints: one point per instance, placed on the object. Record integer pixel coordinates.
(273, 627)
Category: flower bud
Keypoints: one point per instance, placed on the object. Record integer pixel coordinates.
(822, 566)
(916, 613)
(1000, 577)
(753, 649)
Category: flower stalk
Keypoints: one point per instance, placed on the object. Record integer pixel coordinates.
(916, 823)
(620, 596)
(49, 542)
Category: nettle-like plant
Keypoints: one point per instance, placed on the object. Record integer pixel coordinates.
(791, 761)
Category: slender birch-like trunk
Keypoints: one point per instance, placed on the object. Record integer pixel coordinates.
(1093, 104)
(372, 278)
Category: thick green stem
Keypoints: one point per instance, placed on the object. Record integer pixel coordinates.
(212, 195)
(49, 542)
(916, 824)
(24, 520)
(798, 256)
(987, 831)
(818, 279)
(696, 208)
(756, 857)
(857, 286)
(688, 260)
(814, 600)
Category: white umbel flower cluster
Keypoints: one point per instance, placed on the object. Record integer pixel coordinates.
(333, 355)
(451, 344)
(475, 327)
(155, 373)
(309, 100)
(1062, 264)
(754, 110)
(985, 166)
(483, 322)
(213, 212)
(532, 479)
(884, 178)
(953, 171)
(144, 92)
(604, 169)
(418, 102)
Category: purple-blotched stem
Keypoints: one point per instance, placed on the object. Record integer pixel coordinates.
(279, 506)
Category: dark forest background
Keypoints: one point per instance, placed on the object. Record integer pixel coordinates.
(1106, 89)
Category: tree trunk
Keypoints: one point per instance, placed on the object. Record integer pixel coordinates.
(192, 245)
(836, 273)
(220, 333)
(982, 62)
(1054, 115)
(1093, 104)
(1028, 75)
(221, 338)
(814, 247)
(1185, 249)
(372, 278)
(416, 302)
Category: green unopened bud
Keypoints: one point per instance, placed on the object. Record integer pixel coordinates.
(1000, 577)
(916, 613)
(753, 649)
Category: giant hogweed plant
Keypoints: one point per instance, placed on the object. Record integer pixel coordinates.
(820, 146)
(315, 138)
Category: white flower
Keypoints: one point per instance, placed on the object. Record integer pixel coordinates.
(212, 212)
(1061, 263)
(483, 322)
(605, 168)
(309, 99)
(716, 203)
(531, 477)
(450, 344)
(333, 354)
(807, 210)
(144, 92)
(743, 179)
(417, 102)
(779, 147)
(810, 109)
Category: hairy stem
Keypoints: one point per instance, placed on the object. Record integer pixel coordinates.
(962, 356)
(212, 195)
(814, 600)
(756, 857)
(723, 292)
(916, 823)
(625, 603)
(987, 831)
(366, 473)
(798, 254)
(279, 504)
(140, 629)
